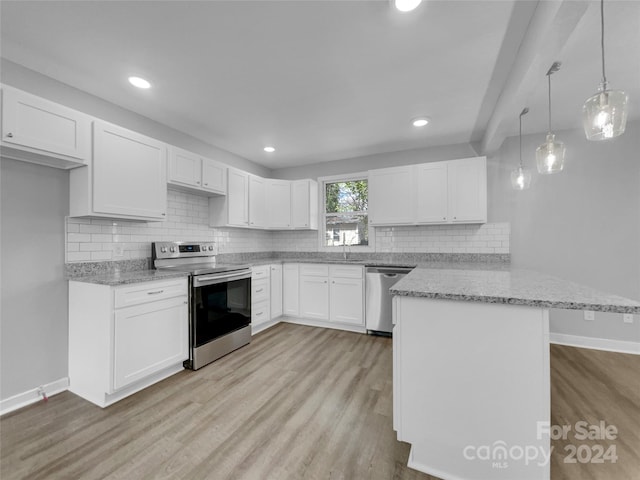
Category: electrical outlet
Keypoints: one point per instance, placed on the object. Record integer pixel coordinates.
(627, 317)
(589, 315)
(118, 250)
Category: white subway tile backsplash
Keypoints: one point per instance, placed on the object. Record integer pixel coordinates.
(188, 218)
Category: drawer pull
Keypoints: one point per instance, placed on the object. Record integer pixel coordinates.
(259, 313)
(155, 293)
(10, 135)
(259, 290)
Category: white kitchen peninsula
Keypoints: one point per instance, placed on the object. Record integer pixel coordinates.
(471, 381)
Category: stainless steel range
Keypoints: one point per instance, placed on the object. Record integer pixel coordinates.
(219, 299)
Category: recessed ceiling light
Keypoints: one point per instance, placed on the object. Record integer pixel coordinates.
(269, 149)
(407, 5)
(139, 82)
(420, 122)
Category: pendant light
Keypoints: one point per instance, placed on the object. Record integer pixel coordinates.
(521, 176)
(604, 115)
(550, 155)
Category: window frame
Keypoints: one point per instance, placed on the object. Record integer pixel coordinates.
(322, 211)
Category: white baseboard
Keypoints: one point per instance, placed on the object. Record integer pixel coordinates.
(32, 396)
(619, 346)
(255, 329)
(324, 324)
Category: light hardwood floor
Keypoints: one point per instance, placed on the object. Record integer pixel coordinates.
(297, 403)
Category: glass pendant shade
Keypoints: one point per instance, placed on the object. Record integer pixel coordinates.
(550, 156)
(520, 178)
(604, 115)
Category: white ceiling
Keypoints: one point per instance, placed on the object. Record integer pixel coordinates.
(325, 80)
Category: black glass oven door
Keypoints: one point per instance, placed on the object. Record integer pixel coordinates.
(219, 309)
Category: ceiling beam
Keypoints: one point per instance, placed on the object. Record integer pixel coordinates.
(551, 26)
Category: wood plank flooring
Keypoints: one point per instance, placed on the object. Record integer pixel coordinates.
(297, 403)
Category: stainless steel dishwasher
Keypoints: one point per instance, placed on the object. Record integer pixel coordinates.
(378, 281)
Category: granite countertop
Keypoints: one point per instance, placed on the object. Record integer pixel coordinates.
(509, 286)
(128, 277)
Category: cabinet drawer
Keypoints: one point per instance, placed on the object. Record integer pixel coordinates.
(149, 292)
(260, 313)
(314, 270)
(346, 271)
(259, 291)
(259, 272)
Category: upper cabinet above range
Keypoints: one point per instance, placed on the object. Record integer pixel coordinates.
(40, 131)
(453, 191)
(189, 171)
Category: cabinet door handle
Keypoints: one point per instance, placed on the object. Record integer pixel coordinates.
(164, 214)
(259, 290)
(206, 184)
(259, 313)
(10, 135)
(197, 183)
(155, 293)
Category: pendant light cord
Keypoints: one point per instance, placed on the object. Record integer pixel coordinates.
(549, 78)
(604, 77)
(524, 112)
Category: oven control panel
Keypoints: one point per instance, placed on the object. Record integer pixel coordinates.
(183, 249)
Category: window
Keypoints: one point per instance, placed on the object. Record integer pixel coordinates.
(345, 216)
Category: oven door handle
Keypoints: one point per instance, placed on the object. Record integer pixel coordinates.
(202, 281)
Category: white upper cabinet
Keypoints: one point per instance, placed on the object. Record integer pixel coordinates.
(125, 179)
(257, 202)
(468, 190)
(214, 176)
(39, 131)
(184, 167)
(432, 197)
(304, 204)
(279, 194)
(231, 210)
(453, 191)
(391, 196)
(195, 173)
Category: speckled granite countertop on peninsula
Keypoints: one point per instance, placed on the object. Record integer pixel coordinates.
(508, 286)
(128, 277)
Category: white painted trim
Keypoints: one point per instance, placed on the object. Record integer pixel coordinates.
(32, 396)
(324, 324)
(420, 467)
(619, 346)
(255, 329)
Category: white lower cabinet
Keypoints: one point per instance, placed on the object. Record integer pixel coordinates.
(291, 289)
(124, 338)
(346, 297)
(276, 291)
(137, 353)
(314, 294)
(332, 295)
(261, 298)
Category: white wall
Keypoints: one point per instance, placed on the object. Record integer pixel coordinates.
(46, 87)
(34, 325)
(582, 224)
